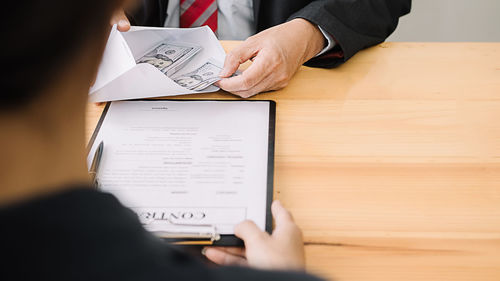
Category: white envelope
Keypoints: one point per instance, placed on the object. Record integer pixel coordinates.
(120, 78)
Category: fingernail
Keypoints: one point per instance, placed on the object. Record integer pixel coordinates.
(278, 204)
(123, 23)
(225, 72)
(204, 251)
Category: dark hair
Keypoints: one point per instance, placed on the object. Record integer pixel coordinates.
(39, 36)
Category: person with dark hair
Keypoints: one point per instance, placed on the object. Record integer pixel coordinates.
(280, 35)
(54, 224)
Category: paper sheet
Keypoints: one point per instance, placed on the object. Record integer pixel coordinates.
(188, 162)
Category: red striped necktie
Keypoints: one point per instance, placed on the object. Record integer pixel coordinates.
(196, 13)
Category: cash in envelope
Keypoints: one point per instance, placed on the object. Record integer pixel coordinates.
(171, 57)
(201, 78)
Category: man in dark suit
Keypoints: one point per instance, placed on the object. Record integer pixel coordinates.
(289, 33)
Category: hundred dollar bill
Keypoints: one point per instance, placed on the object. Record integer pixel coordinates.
(210, 82)
(170, 57)
(201, 78)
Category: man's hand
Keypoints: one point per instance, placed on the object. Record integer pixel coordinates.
(121, 20)
(277, 53)
(283, 250)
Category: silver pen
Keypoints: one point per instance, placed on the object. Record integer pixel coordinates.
(96, 161)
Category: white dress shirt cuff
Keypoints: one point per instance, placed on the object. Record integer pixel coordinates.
(329, 39)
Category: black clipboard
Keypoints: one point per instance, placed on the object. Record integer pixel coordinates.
(215, 239)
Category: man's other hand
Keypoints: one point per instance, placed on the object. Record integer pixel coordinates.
(121, 20)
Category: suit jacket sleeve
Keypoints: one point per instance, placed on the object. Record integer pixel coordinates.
(149, 13)
(355, 25)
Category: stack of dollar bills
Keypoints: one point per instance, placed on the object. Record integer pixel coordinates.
(171, 57)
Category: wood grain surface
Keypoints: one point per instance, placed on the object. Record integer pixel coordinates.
(391, 162)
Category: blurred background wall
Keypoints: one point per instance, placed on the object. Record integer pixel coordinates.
(450, 21)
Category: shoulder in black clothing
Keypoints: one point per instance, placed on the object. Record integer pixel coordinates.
(84, 234)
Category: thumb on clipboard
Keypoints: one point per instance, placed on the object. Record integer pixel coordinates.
(283, 250)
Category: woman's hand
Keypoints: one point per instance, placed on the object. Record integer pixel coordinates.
(283, 250)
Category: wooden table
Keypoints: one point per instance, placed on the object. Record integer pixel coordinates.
(391, 162)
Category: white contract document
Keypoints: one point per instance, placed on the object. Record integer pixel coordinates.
(185, 165)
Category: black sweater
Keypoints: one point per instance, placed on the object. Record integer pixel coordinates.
(83, 234)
